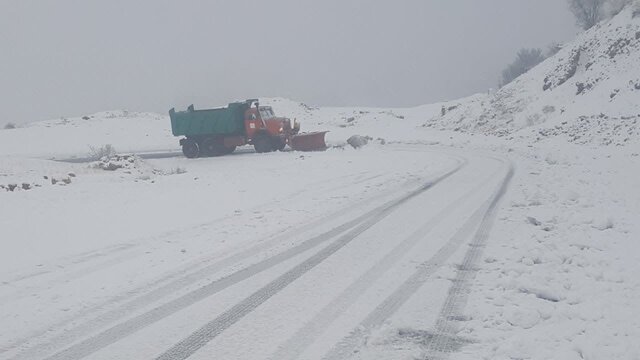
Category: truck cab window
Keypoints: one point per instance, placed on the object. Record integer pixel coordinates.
(266, 113)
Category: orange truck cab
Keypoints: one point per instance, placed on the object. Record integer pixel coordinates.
(261, 122)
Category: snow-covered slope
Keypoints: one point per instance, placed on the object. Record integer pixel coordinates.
(589, 91)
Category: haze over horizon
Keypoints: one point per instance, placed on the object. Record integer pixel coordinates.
(70, 58)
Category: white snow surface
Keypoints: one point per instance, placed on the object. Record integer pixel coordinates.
(88, 256)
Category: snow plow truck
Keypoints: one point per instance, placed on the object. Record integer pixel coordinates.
(216, 132)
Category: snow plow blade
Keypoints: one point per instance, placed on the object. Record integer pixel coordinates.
(313, 141)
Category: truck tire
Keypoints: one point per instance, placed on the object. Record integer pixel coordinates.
(262, 144)
(190, 149)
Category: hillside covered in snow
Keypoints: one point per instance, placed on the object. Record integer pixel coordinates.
(589, 92)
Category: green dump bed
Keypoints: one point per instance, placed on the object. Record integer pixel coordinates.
(223, 121)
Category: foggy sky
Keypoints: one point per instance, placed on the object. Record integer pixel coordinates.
(70, 58)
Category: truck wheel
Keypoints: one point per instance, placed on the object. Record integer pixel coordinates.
(278, 144)
(190, 149)
(262, 144)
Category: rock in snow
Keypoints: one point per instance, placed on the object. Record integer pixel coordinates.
(358, 141)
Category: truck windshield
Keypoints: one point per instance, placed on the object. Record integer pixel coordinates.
(266, 113)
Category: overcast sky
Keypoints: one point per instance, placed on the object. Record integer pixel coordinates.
(69, 58)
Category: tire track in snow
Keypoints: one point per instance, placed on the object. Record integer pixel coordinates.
(79, 259)
(392, 303)
(165, 286)
(206, 333)
(295, 346)
(444, 340)
(130, 326)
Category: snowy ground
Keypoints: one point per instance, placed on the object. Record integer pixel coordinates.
(404, 249)
(562, 268)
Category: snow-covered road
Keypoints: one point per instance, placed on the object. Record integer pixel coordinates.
(275, 270)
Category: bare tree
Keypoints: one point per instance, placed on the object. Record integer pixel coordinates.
(553, 49)
(587, 12)
(614, 7)
(526, 59)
